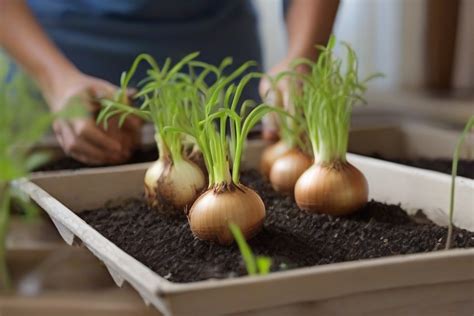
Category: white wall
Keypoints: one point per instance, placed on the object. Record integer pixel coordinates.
(386, 34)
(272, 30)
(464, 75)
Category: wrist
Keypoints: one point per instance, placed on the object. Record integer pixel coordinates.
(304, 51)
(55, 80)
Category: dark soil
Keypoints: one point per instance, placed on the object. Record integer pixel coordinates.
(292, 238)
(68, 163)
(465, 167)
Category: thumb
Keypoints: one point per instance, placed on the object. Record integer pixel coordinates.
(100, 89)
(264, 88)
(274, 98)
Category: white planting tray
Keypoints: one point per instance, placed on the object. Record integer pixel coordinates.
(437, 283)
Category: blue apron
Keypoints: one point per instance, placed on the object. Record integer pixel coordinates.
(102, 37)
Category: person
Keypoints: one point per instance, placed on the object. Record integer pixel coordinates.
(79, 48)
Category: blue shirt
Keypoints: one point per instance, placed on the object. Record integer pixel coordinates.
(102, 37)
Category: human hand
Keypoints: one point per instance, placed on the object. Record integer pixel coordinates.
(81, 138)
(275, 96)
(279, 96)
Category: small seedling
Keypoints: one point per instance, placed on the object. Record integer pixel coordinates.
(332, 185)
(173, 178)
(454, 171)
(255, 265)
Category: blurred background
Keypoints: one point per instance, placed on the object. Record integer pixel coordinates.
(424, 48)
(417, 44)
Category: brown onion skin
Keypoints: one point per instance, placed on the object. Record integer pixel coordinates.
(287, 169)
(335, 189)
(161, 188)
(270, 155)
(211, 213)
(198, 159)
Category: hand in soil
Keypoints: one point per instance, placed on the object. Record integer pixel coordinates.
(82, 139)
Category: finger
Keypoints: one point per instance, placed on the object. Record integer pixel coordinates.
(131, 92)
(128, 134)
(287, 104)
(133, 123)
(97, 90)
(57, 126)
(128, 145)
(79, 148)
(132, 128)
(102, 89)
(88, 130)
(274, 98)
(264, 88)
(85, 159)
(95, 155)
(270, 125)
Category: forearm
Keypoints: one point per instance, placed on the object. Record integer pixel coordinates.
(24, 40)
(309, 23)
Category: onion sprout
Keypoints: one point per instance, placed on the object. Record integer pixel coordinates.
(255, 265)
(220, 128)
(173, 179)
(454, 171)
(332, 185)
(328, 96)
(214, 112)
(203, 106)
(161, 101)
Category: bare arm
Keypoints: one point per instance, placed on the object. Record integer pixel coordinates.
(309, 23)
(25, 41)
(60, 81)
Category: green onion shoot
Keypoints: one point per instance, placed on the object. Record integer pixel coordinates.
(173, 179)
(331, 185)
(255, 265)
(220, 124)
(454, 171)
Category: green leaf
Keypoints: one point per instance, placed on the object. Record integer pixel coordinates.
(245, 251)
(454, 171)
(30, 210)
(37, 159)
(264, 264)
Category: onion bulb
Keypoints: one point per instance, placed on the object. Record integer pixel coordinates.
(177, 184)
(197, 158)
(287, 169)
(270, 155)
(212, 212)
(337, 189)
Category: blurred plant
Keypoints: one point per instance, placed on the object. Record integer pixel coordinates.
(23, 121)
(255, 265)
